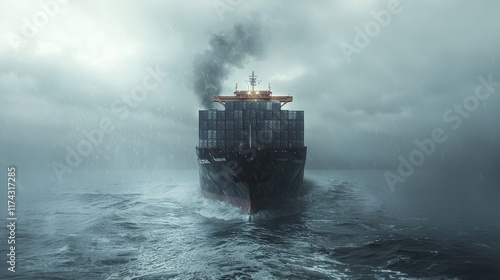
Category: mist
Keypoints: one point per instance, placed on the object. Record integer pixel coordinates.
(374, 81)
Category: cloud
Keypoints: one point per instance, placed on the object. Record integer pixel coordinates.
(361, 114)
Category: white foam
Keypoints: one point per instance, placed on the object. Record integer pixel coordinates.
(221, 210)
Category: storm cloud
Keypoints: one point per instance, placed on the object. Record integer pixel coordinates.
(364, 112)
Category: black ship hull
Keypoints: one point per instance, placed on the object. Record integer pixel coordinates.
(252, 178)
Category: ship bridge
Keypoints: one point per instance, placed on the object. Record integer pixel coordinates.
(253, 95)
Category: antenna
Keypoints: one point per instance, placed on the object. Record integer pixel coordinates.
(253, 80)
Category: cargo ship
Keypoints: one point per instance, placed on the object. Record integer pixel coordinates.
(252, 153)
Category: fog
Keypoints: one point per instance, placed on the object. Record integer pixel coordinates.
(384, 84)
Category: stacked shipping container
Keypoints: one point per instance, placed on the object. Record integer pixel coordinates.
(270, 126)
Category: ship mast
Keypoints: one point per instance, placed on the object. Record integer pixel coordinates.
(253, 81)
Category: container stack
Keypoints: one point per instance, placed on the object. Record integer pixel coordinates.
(262, 123)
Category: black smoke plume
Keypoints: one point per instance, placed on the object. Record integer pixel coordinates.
(226, 50)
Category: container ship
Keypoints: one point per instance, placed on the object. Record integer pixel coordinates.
(252, 153)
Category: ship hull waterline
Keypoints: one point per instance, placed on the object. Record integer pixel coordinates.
(253, 179)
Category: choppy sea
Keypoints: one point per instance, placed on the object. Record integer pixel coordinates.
(347, 225)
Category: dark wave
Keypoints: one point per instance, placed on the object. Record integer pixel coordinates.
(343, 226)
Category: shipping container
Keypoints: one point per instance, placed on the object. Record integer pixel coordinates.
(270, 126)
(284, 134)
(300, 134)
(221, 143)
(300, 124)
(262, 106)
(284, 125)
(212, 134)
(284, 115)
(264, 133)
(267, 124)
(269, 105)
(276, 115)
(275, 125)
(229, 124)
(203, 124)
(203, 114)
(276, 105)
(221, 134)
(212, 114)
(211, 143)
(212, 124)
(259, 114)
(300, 115)
(238, 134)
(203, 143)
(268, 134)
(249, 114)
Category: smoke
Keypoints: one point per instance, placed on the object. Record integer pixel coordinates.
(226, 50)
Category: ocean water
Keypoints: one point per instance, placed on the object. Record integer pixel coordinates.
(347, 225)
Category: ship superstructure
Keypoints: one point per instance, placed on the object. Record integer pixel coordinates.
(251, 153)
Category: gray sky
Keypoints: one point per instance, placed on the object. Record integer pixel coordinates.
(66, 67)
